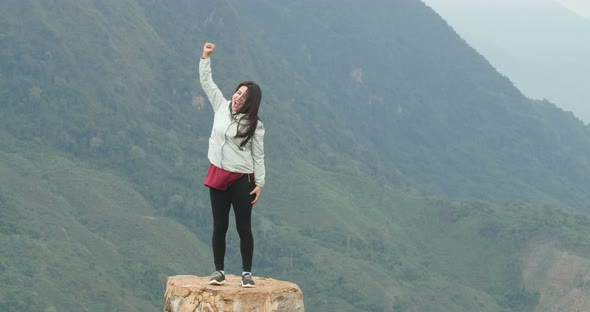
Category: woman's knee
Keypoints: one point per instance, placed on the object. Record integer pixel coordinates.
(244, 231)
(220, 228)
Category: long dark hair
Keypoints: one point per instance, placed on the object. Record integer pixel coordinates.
(250, 111)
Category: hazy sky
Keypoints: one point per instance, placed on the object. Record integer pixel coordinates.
(582, 7)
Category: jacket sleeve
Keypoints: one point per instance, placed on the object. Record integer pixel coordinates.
(213, 93)
(258, 154)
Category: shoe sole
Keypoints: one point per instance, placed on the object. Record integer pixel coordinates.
(247, 286)
(216, 283)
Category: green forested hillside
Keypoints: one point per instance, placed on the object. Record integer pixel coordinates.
(376, 114)
(76, 239)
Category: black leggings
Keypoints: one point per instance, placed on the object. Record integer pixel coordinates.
(238, 196)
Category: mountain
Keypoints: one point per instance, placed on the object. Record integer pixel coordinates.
(537, 44)
(75, 239)
(403, 170)
(459, 137)
(393, 112)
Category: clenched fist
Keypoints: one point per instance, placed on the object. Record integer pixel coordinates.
(208, 49)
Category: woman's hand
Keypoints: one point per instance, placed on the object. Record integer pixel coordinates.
(208, 49)
(257, 190)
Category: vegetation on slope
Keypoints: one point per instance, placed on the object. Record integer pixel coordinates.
(104, 135)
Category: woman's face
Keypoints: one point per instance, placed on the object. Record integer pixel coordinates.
(238, 99)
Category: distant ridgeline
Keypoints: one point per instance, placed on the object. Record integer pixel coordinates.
(374, 113)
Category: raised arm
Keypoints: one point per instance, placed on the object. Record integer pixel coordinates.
(213, 93)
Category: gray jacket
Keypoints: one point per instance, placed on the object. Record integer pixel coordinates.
(224, 147)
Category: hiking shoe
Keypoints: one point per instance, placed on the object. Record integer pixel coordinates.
(217, 278)
(247, 280)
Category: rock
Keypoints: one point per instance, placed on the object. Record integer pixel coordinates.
(187, 293)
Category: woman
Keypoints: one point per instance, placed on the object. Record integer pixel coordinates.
(236, 174)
